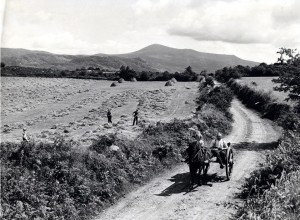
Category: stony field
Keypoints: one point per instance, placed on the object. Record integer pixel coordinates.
(76, 109)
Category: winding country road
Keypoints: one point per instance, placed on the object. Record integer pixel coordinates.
(167, 196)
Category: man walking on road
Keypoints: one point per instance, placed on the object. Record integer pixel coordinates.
(135, 116)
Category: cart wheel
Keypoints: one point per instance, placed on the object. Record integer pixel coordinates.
(229, 163)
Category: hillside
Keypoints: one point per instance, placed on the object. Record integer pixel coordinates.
(41, 59)
(171, 59)
(152, 58)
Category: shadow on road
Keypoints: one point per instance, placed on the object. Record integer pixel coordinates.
(251, 146)
(180, 184)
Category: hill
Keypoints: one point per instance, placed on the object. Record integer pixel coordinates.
(171, 59)
(41, 59)
(152, 58)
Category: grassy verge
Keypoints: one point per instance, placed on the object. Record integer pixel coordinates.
(63, 181)
(273, 191)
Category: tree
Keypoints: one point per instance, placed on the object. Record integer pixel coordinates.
(289, 77)
(127, 73)
(291, 55)
(2, 64)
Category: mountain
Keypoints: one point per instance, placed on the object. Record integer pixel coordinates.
(171, 59)
(152, 58)
(41, 59)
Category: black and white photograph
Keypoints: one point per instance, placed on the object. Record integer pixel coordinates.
(150, 110)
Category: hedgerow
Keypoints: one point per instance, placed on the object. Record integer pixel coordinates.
(259, 100)
(220, 97)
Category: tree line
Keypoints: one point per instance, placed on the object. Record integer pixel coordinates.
(124, 72)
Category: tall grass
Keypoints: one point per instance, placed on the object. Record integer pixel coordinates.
(273, 192)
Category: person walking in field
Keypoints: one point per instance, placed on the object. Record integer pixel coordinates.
(135, 117)
(109, 116)
(217, 148)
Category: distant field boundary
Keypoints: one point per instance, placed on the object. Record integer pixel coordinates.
(98, 74)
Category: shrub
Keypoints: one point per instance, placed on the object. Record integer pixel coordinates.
(220, 97)
(213, 121)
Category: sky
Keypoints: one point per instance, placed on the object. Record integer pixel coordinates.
(250, 29)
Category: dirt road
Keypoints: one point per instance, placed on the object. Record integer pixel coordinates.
(167, 196)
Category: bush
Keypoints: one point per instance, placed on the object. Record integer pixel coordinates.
(213, 121)
(221, 97)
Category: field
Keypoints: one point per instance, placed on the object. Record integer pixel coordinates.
(76, 109)
(265, 84)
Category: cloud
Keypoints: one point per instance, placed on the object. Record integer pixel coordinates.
(250, 29)
(240, 22)
(286, 14)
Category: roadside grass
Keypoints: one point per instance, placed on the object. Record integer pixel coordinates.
(273, 191)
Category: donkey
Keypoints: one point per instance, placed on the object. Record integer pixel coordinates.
(198, 156)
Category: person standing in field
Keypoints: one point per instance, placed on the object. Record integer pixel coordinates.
(24, 136)
(135, 117)
(109, 116)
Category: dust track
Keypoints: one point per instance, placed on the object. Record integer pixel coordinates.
(167, 196)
